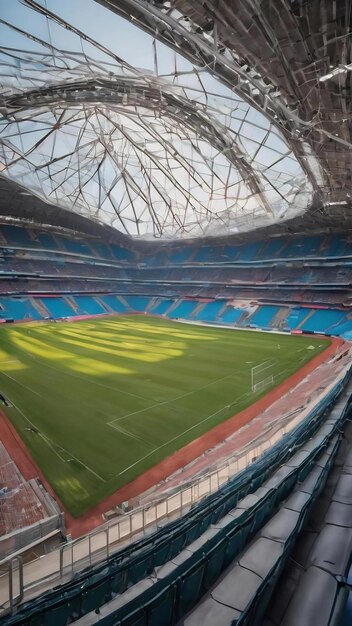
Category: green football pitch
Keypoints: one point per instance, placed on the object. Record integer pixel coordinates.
(100, 401)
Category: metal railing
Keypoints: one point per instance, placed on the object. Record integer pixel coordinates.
(63, 563)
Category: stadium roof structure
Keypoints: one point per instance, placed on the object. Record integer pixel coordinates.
(179, 118)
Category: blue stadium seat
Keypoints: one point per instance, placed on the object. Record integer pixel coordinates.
(230, 316)
(322, 320)
(180, 256)
(263, 316)
(58, 307)
(210, 311)
(122, 254)
(46, 241)
(76, 247)
(17, 236)
(19, 309)
(88, 305)
(275, 248)
(161, 307)
(250, 250)
(296, 317)
(137, 303)
(114, 303)
(303, 246)
(184, 309)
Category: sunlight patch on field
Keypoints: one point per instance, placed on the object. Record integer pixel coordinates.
(39, 348)
(74, 486)
(111, 398)
(97, 368)
(11, 365)
(131, 351)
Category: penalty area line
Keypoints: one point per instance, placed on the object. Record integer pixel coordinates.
(51, 443)
(227, 406)
(184, 395)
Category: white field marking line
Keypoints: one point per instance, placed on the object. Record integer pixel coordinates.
(47, 442)
(71, 374)
(128, 434)
(25, 416)
(184, 395)
(12, 361)
(52, 443)
(18, 382)
(181, 434)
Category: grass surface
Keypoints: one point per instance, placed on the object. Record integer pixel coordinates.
(99, 402)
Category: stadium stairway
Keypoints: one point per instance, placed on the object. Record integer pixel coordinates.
(173, 306)
(221, 311)
(262, 317)
(306, 318)
(137, 303)
(217, 311)
(105, 306)
(183, 310)
(41, 308)
(19, 309)
(123, 302)
(279, 319)
(316, 581)
(238, 560)
(58, 307)
(151, 304)
(198, 310)
(88, 305)
(210, 311)
(161, 306)
(295, 317)
(231, 315)
(114, 304)
(242, 533)
(72, 303)
(322, 319)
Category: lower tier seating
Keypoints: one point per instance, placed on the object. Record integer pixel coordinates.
(305, 319)
(244, 530)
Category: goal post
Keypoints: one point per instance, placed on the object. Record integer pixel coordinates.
(262, 375)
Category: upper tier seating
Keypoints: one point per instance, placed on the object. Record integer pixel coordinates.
(311, 247)
(17, 237)
(272, 273)
(76, 247)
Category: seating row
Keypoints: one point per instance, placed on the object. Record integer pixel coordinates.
(129, 567)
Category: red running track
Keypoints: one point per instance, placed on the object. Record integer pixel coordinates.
(93, 518)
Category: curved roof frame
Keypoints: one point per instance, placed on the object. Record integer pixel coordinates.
(150, 154)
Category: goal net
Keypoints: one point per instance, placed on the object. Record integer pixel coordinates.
(262, 375)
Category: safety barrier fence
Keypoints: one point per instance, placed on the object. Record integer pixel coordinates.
(126, 567)
(167, 593)
(19, 539)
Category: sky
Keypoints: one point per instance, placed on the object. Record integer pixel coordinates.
(128, 166)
